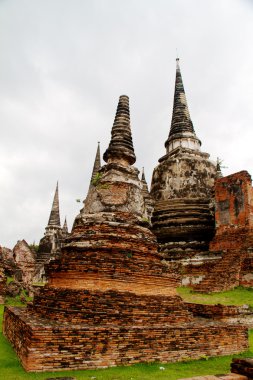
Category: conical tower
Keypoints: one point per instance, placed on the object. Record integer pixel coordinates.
(121, 145)
(54, 221)
(109, 299)
(96, 166)
(50, 244)
(181, 131)
(65, 228)
(183, 187)
(148, 201)
(95, 173)
(119, 171)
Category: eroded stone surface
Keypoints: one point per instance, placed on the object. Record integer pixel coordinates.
(8, 261)
(182, 188)
(24, 259)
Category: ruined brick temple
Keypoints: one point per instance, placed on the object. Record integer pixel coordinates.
(183, 188)
(110, 300)
(203, 222)
(233, 238)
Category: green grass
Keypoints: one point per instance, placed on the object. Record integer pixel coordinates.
(237, 296)
(10, 279)
(10, 368)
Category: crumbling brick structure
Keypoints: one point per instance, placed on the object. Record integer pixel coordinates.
(109, 299)
(234, 234)
(24, 258)
(2, 281)
(182, 188)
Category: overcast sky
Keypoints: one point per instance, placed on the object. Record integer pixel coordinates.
(63, 66)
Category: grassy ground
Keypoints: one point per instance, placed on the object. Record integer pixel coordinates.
(10, 368)
(237, 296)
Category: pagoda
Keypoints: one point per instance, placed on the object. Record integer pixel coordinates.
(183, 188)
(109, 299)
(50, 244)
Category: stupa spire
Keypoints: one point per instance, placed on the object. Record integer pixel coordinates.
(181, 129)
(143, 175)
(54, 218)
(144, 183)
(121, 145)
(97, 164)
(65, 226)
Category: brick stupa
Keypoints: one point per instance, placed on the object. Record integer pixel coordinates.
(109, 299)
(183, 187)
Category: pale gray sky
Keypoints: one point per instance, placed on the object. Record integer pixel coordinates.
(63, 65)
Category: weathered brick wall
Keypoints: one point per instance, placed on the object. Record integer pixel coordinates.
(231, 314)
(233, 199)
(24, 258)
(2, 283)
(246, 273)
(234, 234)
(8, 261)
(68, 346)
(194, 269)
(19, 334)
(104, 308)
(225, 275)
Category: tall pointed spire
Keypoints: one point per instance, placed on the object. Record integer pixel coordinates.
(121, 145)
(181, 131)
(143, 175)
(65, 227)
(54, 219)
(144, 182)
(97, 164)
(148, 201)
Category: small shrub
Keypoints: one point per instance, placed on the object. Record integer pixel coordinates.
(96, 179)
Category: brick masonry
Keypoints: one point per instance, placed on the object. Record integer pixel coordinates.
(231, 314)
(234, 234)
(54, 345)
(110, 300)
